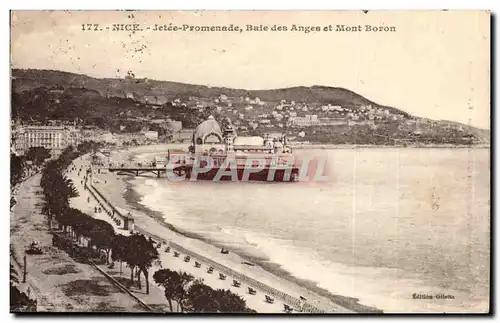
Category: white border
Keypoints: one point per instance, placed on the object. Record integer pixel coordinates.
(493, 5)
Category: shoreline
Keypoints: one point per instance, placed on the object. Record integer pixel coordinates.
(133, 198)
(325, 146)
(368, 146)
(122, 195)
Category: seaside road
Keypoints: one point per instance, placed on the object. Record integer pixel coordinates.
(60, 283)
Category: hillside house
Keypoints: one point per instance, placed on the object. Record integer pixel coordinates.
(185, 135)
(307, 121)
(151, 135)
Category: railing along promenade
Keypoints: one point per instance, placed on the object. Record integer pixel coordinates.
(305, 307)
(291, 300)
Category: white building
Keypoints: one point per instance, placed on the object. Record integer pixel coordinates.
(307, 121)
(107, 137)
(54, 138)
(151, 135)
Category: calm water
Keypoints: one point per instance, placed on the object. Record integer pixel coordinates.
(390, 223)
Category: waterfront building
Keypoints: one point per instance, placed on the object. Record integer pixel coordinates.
(208, 137)
(53, 138)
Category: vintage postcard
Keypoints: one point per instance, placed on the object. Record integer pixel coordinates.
(317, 162)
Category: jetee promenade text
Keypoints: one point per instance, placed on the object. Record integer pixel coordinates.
(170, 27)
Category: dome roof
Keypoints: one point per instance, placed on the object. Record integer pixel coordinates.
(248, 141)
(207, 127)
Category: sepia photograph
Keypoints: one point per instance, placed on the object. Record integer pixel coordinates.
(250, 162)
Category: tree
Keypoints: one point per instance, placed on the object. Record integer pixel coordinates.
(142, 254)
(37, 155)
(19, 302)
(175, 285)
(102, 234)
(201, 298)
(204, 299)
(118, 249)
(229, 302)
(16, 169)
(13, 276)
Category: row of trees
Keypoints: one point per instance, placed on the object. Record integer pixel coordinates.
(194, 296)
(35, 155)
(135, 250)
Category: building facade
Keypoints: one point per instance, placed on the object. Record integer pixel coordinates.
(307, 121)
(53, 138)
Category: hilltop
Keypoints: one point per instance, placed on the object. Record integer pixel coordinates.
(30, 79)
(129, 104)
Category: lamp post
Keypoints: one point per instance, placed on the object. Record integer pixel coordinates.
(24, 269)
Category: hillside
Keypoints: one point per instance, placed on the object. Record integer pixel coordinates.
(30, 79)
(116, 104)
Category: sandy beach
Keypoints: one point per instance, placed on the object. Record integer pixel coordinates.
(114, 188)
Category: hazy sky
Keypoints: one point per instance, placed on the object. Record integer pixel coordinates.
(436, 64)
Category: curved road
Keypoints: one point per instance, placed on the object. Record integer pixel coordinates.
(60, 283)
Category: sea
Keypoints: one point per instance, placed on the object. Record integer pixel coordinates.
(391, 227)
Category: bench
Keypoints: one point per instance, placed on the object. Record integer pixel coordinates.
(187, 259)
(222, 277)
(287, 308)
(176, 254)
(167, 249)
(269, 299)
(210, 270)
(251, 291)
(197, 264)
(236, 283)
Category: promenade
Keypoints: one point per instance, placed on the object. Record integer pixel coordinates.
(256, 302)
(58, 282)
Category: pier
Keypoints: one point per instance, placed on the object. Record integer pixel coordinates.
(131, 170)
(289, 300)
